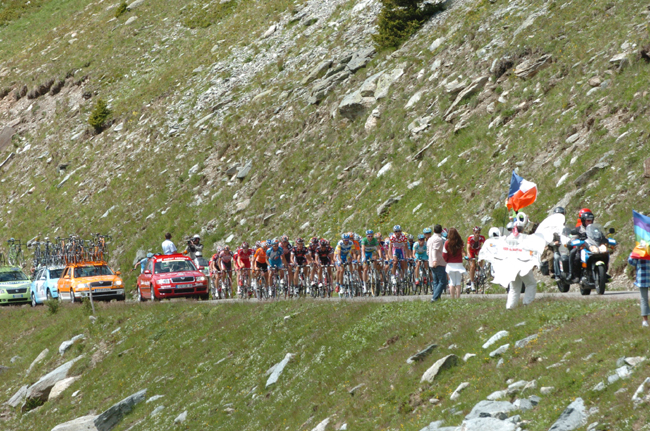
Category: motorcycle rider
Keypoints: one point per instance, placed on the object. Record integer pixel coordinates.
(547, 256)
(575, 268)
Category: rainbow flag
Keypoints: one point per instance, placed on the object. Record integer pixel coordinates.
(642, 234)
(522, 193)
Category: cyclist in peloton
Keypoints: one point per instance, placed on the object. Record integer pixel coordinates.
(427, 234)
(397, 249)
(382, 250)
(225, 260)
(300, 256)
(275, 255)
(313, 253)
(215, 266)
(421, 257)
(474, 244)
(356, 240)
(369, 247)
(409, 247)
(344, 249)
(261, 262)
(324, 252)
(243, 261)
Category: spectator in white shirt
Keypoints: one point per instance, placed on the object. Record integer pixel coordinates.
(168, 246)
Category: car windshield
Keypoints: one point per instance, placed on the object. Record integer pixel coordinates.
(12, 276)
(201, 261)
(595, 234)
(173, 266)
(55, 273)
(92, 271)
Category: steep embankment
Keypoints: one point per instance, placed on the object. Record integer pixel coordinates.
(330, 129)
(348, 364)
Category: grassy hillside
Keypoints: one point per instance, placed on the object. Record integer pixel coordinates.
(198, 87)
(211, 360)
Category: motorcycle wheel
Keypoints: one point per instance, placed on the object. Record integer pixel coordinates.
(563, 286)
(600, 279)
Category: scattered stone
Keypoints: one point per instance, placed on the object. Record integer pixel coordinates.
(472, 88)
(520, 324)
(135, 4)
(419, 125)
(638, 397)
(531, 67)
(500, 351)
(493, 409)
(456, 394)
(181, 418)
(18, 397)
(454, 87)
(523, 404)
(500, 363)
(373, 120)
(84, 423)
(269, 32)
(131, 20)
(534, 399)
(442, 364)
(383, 208)
(67, 344)
(111, 417)
(582, 179)
(357, 387)
(497, 395)
(524, 342)
(369, 86)
(547, 390)
(515, 387)
(277, 369)
(157, 410)
(414, 99)
(317, 72)
(244, 171)
(595, 81)
(634, 361)
(487, 424)
(496, 337)
(361, 58)
(620, 60)
(573, 417)
(468, 356)
(321, 426)
(40, 391)
(385, 81)
(353, 105)
(154, 398)
(422, 354)
(38, 359)
(61, 386)
(436, 44)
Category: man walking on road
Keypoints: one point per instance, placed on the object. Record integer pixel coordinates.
(168, 246)
(435, 244)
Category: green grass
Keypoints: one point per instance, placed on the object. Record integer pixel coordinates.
(173, 349)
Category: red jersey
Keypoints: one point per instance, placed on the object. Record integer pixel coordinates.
(475, 244)
(244, 256)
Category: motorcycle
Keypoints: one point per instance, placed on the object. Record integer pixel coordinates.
(561, 261)
(594, 257)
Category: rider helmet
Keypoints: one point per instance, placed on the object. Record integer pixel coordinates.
(284, 238)
(149, 255)
(444, 233)
(426, 231)
(410, 237)
(421, 237)
(378, 236)
(521, 220)
(314, 240)
(559, 210)
(269, 242)
(244, 245)
(587, 216)
(323, 242)
(258, 244)
(276, 242)
(300, 241)
(477, 229)
(397, 228)
(345, 236)
(357, 237)
(226, 248)
(369, 232)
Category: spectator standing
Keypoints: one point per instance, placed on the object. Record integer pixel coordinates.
(168, 246)
(643, 283)
(437, 263)
(453, 253)
(142, 262)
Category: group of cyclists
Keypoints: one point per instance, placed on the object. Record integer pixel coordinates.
(323, 264)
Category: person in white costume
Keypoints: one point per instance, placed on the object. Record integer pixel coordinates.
(513, 257)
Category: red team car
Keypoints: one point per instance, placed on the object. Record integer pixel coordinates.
(171, 276)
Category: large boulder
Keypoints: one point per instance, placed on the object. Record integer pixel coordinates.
(496, 337)
(573, 417)
(61, 386)
(354, 104)
(441, 364)
(491, 409)
(111, 417)
(530, 67)
(84, 423)
(317, 72)
(487, 424)
(18, 398)
(385, 81)
(474, 86)
(422, 354)
(360, 59)
(40, 391)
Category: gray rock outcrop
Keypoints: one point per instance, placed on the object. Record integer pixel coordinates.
(492, 409)
(40, 391)
(111, 417)
(573, 417)
(441, 364)
(422, 354)
(276, 370)
(84, 423)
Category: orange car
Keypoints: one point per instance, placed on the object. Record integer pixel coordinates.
(78, 278)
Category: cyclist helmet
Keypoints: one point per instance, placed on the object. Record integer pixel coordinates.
(397, 228)
(587, 217)
(323, 242)
(357, 237)
(300, 241)
(426, 231)
(258, 244)
(244, 245)
(313, 240)
(410, 237)
(369, 232)
(276, 242)
(421, 236)
(378, 236)
(226, 248)
(284, 238)
(269, 242)
(477, 229)
(559, 210)
(345, 236)
(444, 233)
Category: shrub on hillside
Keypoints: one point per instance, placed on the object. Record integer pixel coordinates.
(399, 19)
(120, 9)
(53, 306)
(99, 115)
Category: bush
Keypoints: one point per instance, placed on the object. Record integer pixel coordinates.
(399, 19)
(53, 305)
(99, 115)
(120, 9)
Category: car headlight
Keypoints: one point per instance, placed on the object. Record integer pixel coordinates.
(164, 281)
(2, 291)
(200, 278)
(603, 248)
(118, 283)
(82, 286)
(593, 249)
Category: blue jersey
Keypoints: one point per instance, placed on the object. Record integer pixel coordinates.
(274, 256)
(420, 251)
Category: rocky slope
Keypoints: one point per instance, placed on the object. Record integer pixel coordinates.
(243, 120)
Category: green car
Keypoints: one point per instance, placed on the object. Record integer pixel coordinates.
(14, 285)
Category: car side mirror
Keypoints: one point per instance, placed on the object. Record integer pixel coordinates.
(574, 232)
(612, 230)
(118, 272)
(147, 272)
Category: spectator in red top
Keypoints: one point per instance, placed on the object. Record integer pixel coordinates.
(474, 244)
(453, 253)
